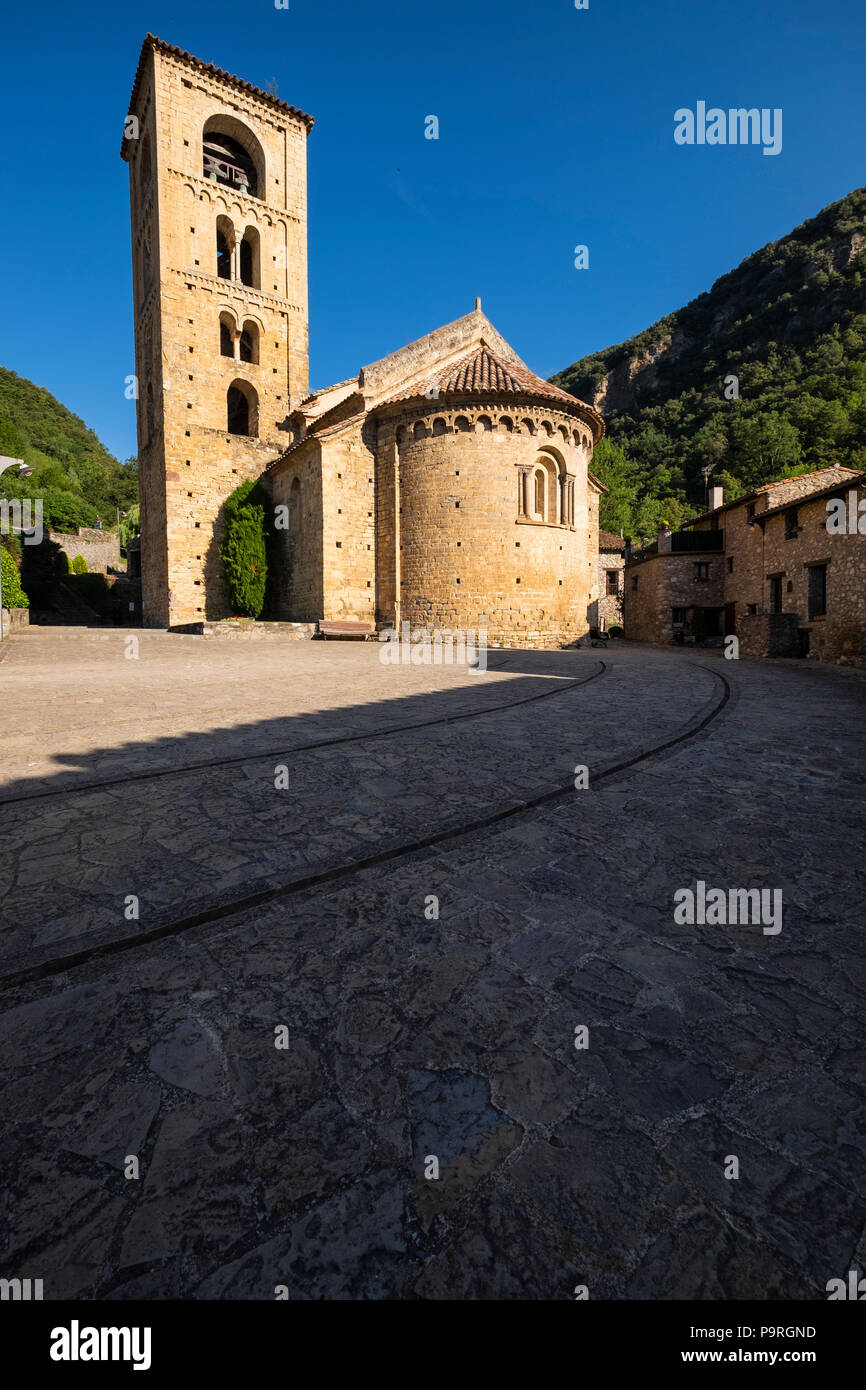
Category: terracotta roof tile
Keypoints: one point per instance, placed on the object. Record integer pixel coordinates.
(481, 373)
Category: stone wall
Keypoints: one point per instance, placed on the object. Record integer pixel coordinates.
(659, 583)
(467, 559)
(841, 631)
(769, 634)
(101, 549)
(14, 619)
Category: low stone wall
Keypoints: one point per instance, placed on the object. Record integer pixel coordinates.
(101, 549)
(250, 630)
(14, 619)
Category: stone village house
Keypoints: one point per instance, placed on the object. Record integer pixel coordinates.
(445, 485)
(765, 568)
(606, 611)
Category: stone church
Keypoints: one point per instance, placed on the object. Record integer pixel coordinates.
(445, 485)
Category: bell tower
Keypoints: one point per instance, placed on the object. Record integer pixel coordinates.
(218, 205)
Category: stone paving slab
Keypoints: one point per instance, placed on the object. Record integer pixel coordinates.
(452, 1037)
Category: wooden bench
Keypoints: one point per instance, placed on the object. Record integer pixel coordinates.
(358, 631)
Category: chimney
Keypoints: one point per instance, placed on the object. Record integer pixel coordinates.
(717, 498)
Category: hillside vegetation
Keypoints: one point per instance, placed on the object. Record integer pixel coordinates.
(790, 324)
(74, 474)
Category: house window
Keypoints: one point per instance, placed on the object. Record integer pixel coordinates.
(702, 571)
(817, 591)
(750, 512)
(791, 526)
(612, 582)
(730, 564)
(752, 610)
(776, 594)
(678, 617)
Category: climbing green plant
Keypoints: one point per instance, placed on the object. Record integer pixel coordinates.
(247, 540)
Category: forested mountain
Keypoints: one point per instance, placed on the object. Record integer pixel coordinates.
(73, 473)
(790, 325)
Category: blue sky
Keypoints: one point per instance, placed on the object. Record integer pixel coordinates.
(556, 129)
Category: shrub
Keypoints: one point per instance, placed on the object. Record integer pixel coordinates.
(13, 595)
(244, 549)
(79, 565)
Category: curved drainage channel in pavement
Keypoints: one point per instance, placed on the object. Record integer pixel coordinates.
(59, 964)
(125, 780)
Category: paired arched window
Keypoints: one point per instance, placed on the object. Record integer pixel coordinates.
(240, 344)
(238, 260)
(242, 410)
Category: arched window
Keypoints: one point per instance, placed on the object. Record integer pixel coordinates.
(483, 423)
(249, 345)
(227, 335)
(242, 403)
(462, 424)
(295, 505)
(439, 426)
(420, 431)
(547, 495)
(225, 161)
(540, 494)
(250, 259)
(225, 242)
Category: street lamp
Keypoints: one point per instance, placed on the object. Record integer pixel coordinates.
(23, 472)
